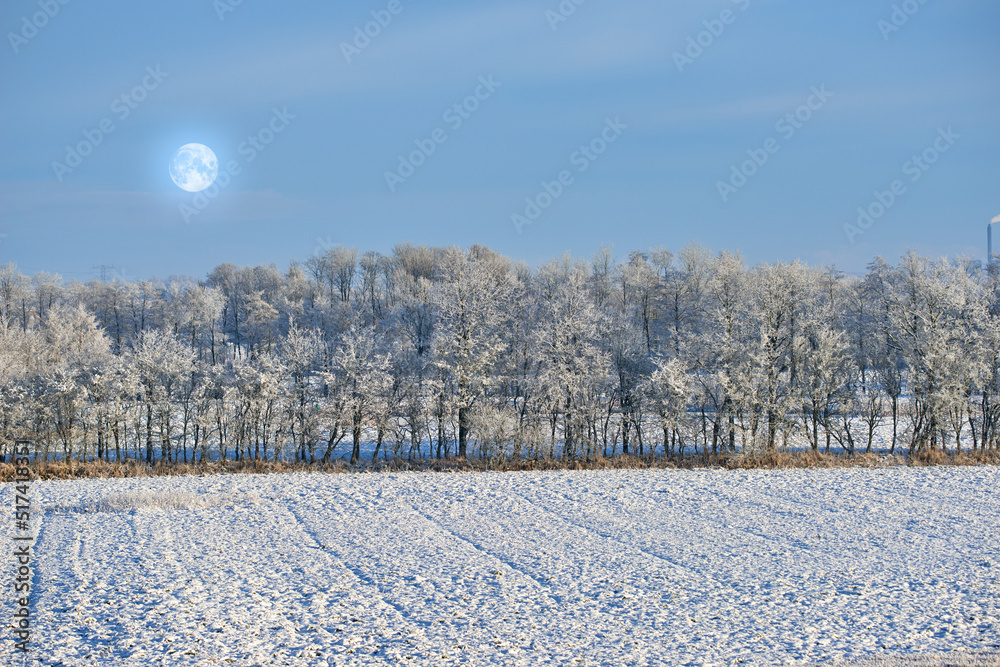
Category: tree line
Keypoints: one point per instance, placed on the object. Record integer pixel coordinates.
(443, 352)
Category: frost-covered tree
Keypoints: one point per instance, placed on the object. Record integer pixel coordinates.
(165, 367)
(573, 369)
(670, 388)
(435, 351)
(930, 315)
(471, 299)
(361, 366)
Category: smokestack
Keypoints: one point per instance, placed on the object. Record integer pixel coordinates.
(989, 240)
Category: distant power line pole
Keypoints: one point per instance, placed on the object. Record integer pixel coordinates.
(104, 268)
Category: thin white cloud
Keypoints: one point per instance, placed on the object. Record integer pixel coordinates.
(48, 203)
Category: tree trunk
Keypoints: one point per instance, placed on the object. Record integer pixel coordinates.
(356, 433)
(149, 433)
(463, 431)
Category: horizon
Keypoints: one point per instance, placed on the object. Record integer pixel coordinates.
(110, 274)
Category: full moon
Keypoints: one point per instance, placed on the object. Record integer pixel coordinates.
(194, 167)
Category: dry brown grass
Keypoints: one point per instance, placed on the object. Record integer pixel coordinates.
(133, 468)
(804, 459)
(455, 464)
(937, 457)
(773, 460)
(957, 659)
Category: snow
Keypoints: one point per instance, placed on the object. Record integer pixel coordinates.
(648, 567)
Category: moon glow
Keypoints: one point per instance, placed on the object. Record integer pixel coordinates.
(194, 167)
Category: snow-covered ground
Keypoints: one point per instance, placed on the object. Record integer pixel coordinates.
(586, 568)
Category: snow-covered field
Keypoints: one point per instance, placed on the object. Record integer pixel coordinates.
(585, 568)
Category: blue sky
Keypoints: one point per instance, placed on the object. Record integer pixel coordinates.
(216, 72)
